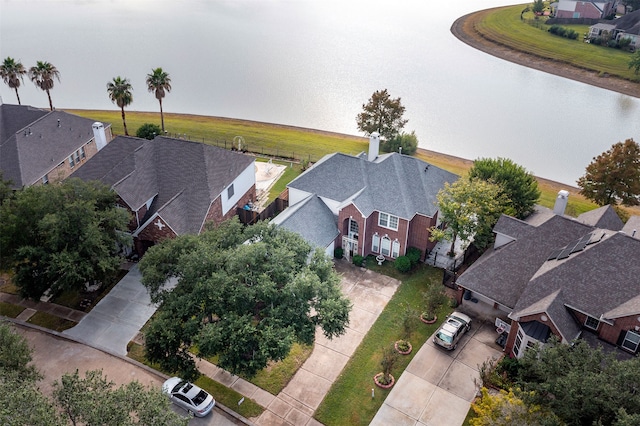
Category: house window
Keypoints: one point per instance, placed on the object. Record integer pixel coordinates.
(591, 323)
(353, 229)
(375, 244)
(45, 179)
(395, 249)
(230, 192)
(518, 343)
(386, 246)
(388, 221)
(71, 162)
(77, 157)
(82, 154)
(631, 341)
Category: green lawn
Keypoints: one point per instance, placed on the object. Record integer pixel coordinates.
(73, 298)
(9, 310)
(349, 400)
(503, 25)
(51, 322)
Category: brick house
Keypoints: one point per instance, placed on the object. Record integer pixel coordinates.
(38, 146)
(555, 275)
(172, 186)
(576, 9)
(366, 204)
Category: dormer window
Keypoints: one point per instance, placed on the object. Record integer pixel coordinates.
(388, 221)
(591, 323)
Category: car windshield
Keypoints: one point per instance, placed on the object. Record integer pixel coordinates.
(177, 387)
(200, 397)
(445, 337)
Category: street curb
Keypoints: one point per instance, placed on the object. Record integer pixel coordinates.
(150, 370)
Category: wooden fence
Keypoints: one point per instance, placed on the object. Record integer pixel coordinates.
(249, 217)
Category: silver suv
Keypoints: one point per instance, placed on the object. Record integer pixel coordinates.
(451, 331)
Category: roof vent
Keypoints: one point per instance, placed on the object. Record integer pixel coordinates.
(58, 122)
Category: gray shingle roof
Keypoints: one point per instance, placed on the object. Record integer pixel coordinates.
(629, 23)
(508, 225)
(632, 227)
(312, 220)
(33, 144)
(603, 217)
(397, 184)
(182, 177)
(503, 274)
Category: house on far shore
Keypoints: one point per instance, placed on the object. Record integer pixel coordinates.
(38, 146)
(555, 275)
(172, 186)
(577, 9)
(366, 204)
(625, 27)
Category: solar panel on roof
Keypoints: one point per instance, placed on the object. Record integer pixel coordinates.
(581, 244)
(565, 253)
(595, 238)
(554, 254)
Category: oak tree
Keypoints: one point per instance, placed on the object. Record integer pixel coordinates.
(62, 236)
(469, 208)
(614, 176)
(382, 114)
(519, 187)
(244, 294)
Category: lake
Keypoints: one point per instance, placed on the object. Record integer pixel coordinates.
(313, 64)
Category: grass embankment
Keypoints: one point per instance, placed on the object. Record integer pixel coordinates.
(305, 141)
(504, 26)
(349, 400)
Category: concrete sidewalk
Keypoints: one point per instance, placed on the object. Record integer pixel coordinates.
(31, 307)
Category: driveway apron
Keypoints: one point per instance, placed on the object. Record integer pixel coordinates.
(118, 317)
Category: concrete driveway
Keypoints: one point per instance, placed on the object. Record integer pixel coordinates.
(118, 317)
(438, 386)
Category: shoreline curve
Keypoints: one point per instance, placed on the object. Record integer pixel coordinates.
(464, 30)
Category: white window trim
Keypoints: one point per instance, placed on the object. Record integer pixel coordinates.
(631, 341)
(382, 246)
(589, 326)
(387, 220)
(375, 243)
(395, 248)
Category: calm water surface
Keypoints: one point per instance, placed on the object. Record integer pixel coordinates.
(313, 63)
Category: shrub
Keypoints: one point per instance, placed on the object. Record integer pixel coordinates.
(358, 260)
(148, 131)
(414, 254)
(338, 252)
(402, 264)
(612, 43)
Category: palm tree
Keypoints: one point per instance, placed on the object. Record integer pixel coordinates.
(159, 82)
(12, 73)
(120, 93)
(42, 76)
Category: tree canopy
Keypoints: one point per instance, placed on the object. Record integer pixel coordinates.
(62, 235)
(469, 208)
(407, 141)
(382, 114)
(614, 176)
(519, 187)
(159, 83)
(243, 294)
(42, 75)
(148, 131)
(119, 90)
(91, 400)
(12, 73)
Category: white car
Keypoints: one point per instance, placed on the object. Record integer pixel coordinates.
(189, 396)
(452, 330)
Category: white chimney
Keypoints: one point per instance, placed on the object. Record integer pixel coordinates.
(561, 202)
(99, 135)
(374, 146)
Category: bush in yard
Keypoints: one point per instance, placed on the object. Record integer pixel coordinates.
(358, 260)
(402, 264)
(414, 254)
(338, 252)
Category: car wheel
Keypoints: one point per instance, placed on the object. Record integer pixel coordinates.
(454, 347)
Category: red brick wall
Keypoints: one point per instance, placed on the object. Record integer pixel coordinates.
(343, 226)
(63, 170)
(419, 233)
(152, 233)
(215, 215)
(515, 325)
(610, 333)
(400, 234)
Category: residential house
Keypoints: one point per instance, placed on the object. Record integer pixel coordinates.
(171, 186)
(575, 9)
(38, 146)
(625, 27)
(367, 203)
(556, 275)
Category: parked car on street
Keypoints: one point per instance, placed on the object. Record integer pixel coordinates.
(452, 330)
(189, 396)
